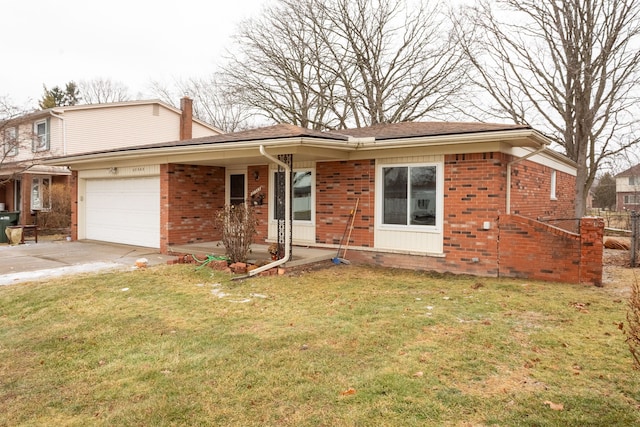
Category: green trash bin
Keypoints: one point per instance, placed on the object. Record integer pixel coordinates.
(7, 219)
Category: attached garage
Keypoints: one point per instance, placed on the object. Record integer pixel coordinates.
(123, 210)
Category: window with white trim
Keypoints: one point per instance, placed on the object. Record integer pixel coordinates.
(10, 142)
(409, 195)
(41, 193)
(303, 195)
(41, 135)
(632, 199)
(553, 184)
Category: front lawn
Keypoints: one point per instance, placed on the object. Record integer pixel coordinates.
(345, 346)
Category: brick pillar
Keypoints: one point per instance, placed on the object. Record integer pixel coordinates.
(591, 248)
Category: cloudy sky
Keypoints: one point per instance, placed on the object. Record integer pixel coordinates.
(52, 42)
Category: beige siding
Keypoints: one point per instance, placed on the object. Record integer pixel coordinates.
(622, 185)
(26, 134)
(107, 128)
(85, 129)
(199, 131)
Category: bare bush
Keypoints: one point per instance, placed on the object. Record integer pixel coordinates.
(238, 225)
(59, 216)
(632, 329)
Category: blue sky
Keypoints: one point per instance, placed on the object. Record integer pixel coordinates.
(130, 41)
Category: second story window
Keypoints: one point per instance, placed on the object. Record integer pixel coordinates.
(41, 135)
(10, 142)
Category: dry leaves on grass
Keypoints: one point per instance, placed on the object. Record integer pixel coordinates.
(554, 406)
(580, 306)
(348, 392)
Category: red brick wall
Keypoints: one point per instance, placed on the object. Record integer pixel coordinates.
(190, 195)
(474, 193)
(539, 251)
(622, 206)
(338, 186)
(531, 192)
(259, 186)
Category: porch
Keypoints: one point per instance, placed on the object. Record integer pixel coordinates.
(301, 255)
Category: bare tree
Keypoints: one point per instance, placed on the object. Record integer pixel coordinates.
(212, 102)
(331, 64)
(279, 72)
(14, 140)
(101, 91)
(568, 66)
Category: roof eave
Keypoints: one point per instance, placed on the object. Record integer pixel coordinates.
(226, 147)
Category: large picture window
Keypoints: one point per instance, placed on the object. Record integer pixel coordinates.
(302, 183)
(409, 195)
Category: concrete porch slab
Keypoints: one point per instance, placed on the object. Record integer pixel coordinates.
(301, 255)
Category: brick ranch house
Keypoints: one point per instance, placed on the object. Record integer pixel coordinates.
(448, 197)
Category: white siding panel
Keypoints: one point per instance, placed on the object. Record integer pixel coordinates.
(302, 233)
(124, 211)
(409, 241)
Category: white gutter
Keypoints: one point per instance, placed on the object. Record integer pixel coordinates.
(287, 215)
(514, 162)
(64, 133)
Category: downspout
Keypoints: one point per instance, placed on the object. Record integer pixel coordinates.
(287, 216)
(515, 162)
(64, 133)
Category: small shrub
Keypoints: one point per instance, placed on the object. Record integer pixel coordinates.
(238, 225)
(59, 216)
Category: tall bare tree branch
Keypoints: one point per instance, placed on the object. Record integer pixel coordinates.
(331, 64)
(568, 66)
(16, 135)
(101, 91)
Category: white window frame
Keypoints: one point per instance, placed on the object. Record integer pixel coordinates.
(272, 183)
(632, 199)
(37, 189)
(10, 141)
(438, 209)
(41, 141)
(553, 185)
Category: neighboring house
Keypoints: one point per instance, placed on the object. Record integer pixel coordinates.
(450, 197)
(29, 140)
(628, 189)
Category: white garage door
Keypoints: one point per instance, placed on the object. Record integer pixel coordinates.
(124, 211)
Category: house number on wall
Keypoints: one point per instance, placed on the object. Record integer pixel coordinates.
(138, 169)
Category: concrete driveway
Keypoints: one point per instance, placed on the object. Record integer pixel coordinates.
(38, 261)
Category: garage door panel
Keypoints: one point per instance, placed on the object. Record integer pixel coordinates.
(124, 211)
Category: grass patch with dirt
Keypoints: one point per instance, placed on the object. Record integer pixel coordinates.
(344, 346)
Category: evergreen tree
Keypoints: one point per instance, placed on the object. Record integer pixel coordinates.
(56, 97)
(604, 193)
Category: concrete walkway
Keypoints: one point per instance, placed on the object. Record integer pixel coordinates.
(38, 261)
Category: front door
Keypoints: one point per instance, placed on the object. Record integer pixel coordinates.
(237, 188)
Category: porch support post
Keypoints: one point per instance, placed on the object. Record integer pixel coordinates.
(287, 215)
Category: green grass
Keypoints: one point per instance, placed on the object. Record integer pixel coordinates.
(345, 346)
